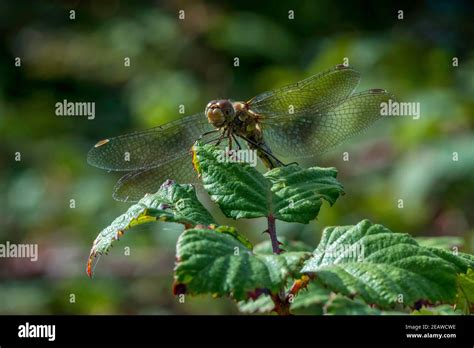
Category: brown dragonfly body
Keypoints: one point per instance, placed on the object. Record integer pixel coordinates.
(233, 119)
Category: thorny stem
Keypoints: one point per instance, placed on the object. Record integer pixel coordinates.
(273, 236)
(282, 305)
(282, 300)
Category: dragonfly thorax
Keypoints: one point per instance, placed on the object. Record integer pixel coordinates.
(235, 118)
(224, 114)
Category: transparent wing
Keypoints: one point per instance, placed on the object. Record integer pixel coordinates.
(316, 93)
(149, 148)
(134, 185)
(312, 132)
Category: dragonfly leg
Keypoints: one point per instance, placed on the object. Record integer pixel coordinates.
(261, 148)
(289, 164)
(207, 133)
(229, 137)
(237, 142)
(222, 136)
(214, 139)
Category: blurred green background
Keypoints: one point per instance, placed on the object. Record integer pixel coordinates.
(190, 62)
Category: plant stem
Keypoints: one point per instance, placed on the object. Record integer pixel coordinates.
(282, 305)
(273, 236)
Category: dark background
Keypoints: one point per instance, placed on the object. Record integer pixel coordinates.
(191, 62)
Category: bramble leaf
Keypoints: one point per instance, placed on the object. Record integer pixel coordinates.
(340, 305)
(239, 189)
(311, 299)
(382, 267)
(297, 193)
(465, 295)
(444, 242)
(317, 300)
(462, 262)
(210, 261)
(290, 193)
(444, 309)
(262, 304)
(172, 203)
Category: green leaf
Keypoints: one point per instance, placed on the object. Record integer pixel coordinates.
(290, 193)
(437, 310)
(210, 261)
(445, 242)
(239, 189)
(317, 300)
(298, 193)
(172, 203)
(311, 299)
(178, 203)
(231, 231)
(465, 295)
(262, 304)
(373, 262)
(462, 262)
(340, 305)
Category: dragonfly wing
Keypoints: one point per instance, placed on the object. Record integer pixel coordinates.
(134, 185)
(319, 92)
(310, 133)
(149, 148)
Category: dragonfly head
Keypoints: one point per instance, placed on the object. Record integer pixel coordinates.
(220, 112)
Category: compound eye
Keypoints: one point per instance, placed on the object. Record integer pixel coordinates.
(211, 105)
(226, 107)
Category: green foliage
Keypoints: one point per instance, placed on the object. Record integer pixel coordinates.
(172, 203)
(317, 299)
(262, 304)
(437, 310)
(445, 242)
(340, 305)
(382, 267)
(357, 269)
(311, 300)
(219, 264)
(288, 193)
(465, 295)
(461, 262)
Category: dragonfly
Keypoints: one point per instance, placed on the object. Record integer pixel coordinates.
(300, 120)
